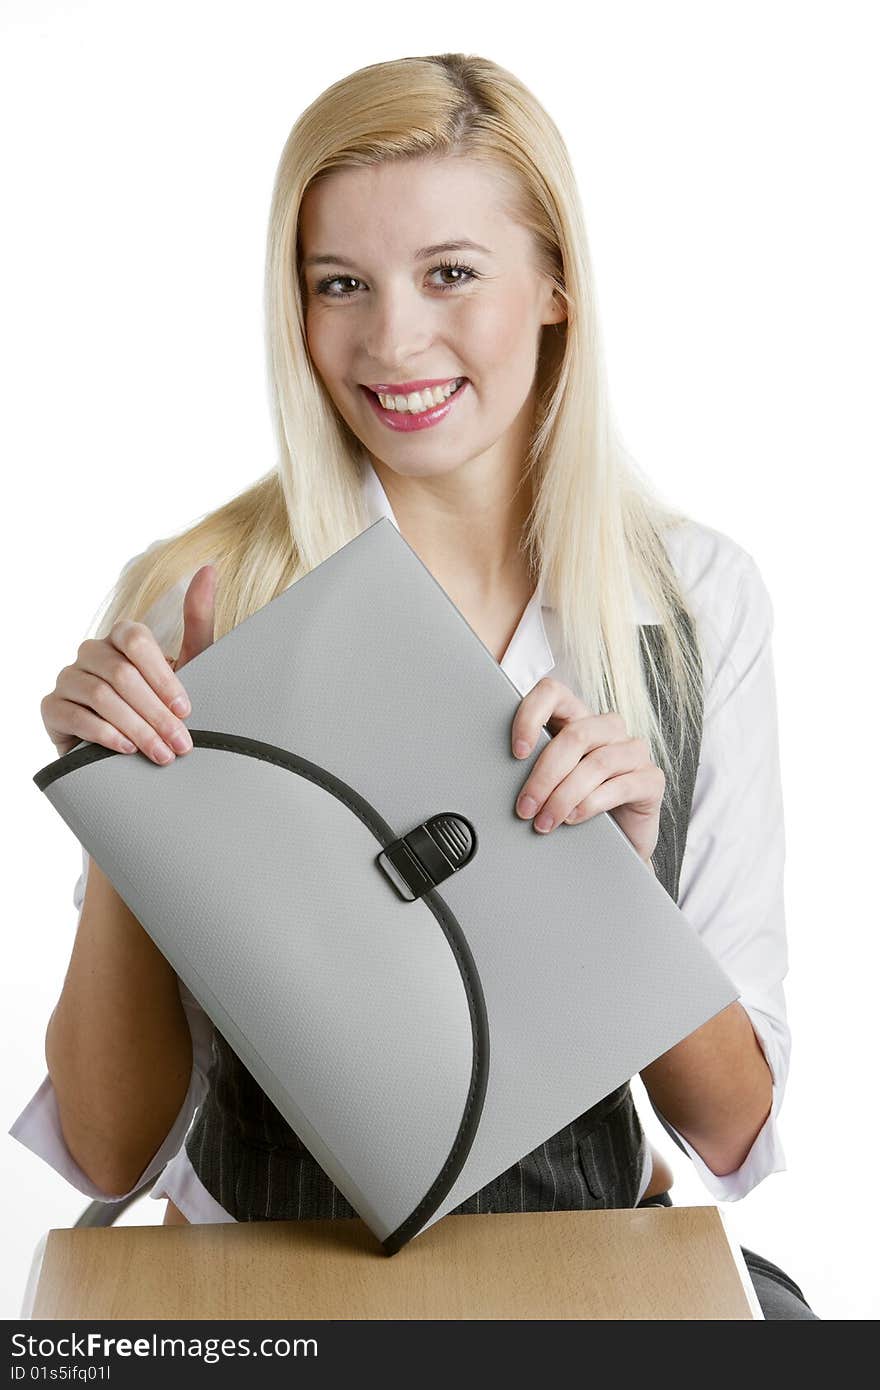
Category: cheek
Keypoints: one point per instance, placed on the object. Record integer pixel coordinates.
(499, 344)
(313, 338)
(325, 343)
(499, 335)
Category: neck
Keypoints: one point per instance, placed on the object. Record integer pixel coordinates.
(466, 524)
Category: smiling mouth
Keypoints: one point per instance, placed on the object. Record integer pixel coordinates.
(417, 402)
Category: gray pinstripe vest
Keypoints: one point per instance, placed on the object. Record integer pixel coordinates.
(248, 1157)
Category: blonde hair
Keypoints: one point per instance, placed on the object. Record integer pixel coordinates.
(595, 530)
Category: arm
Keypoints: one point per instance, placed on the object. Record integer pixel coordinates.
(118, 1046)
(718, 1092)
(40, 1128)
(715, 1088)
(128, 1048)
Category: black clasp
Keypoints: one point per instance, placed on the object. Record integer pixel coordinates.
(428, 854)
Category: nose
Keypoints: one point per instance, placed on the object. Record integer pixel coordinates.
(397, 330)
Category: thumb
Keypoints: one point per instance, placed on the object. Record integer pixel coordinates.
(198, 614)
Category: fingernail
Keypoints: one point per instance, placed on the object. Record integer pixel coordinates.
(520, 748)
(544, 821)
(527, 806)
(181, 706)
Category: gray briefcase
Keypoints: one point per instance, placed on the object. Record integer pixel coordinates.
(423, 987)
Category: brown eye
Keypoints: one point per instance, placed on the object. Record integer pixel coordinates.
(324, 285)
(464, 272)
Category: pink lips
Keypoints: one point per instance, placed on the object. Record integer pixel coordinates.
(403, 420)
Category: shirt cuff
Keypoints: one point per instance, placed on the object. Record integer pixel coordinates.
(766, 1155)
(38, 1127)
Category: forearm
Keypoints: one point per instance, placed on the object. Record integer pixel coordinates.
(118, 1046)
(715, 1088)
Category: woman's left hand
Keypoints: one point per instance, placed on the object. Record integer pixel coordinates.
(589, 765)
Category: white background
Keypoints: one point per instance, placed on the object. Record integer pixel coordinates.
(728, 175)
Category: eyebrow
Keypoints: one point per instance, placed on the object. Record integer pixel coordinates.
(422, 255)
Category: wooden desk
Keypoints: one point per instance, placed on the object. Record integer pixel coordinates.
(649, 1263)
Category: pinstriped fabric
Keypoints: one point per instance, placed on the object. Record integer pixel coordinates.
(256, 1166)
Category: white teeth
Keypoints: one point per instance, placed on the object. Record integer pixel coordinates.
(418, 401)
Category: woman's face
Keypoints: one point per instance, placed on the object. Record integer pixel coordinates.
(382, 310)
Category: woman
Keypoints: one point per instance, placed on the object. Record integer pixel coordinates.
(435, 357)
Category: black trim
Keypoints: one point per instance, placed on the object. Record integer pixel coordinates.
(80, 757)
(281, 757)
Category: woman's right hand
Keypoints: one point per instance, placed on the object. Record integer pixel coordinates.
(120, 690)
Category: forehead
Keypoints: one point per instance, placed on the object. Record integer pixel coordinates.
(398, 206)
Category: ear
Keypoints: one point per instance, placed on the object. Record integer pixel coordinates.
(554, 310)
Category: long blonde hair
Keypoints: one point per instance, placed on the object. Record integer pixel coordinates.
(595, 530)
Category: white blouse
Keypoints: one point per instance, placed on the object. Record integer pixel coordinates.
(731, 883)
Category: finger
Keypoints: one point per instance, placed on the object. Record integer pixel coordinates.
(198, 614)
(75, 722)
(556, 798)
(144, 652)
(170, 735)
(548, 702)
(615, 775)
(120, 685)
(137, 642)
(91, 691)
(563, 753)
(639, 791)
(82, 723)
